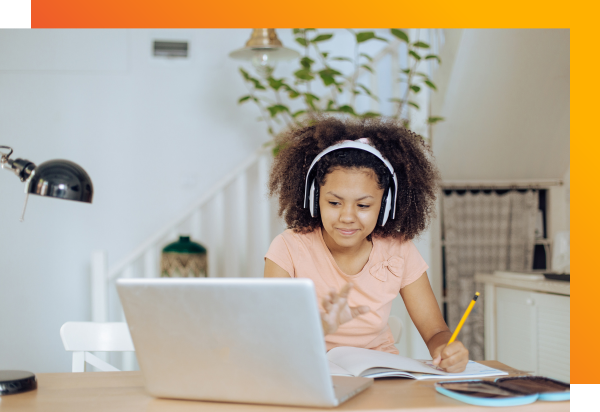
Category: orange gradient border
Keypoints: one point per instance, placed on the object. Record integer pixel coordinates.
(577, 16)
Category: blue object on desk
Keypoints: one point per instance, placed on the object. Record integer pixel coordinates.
(511, 391)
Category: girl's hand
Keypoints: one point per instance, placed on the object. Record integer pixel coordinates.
(337, 310)
(451, 358)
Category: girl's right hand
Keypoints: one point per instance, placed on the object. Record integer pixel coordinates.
(337, 311)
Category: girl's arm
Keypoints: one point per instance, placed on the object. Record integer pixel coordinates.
(335, 304)
(425, 314)
(273, 270)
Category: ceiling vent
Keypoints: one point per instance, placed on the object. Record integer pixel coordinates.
(177, 49)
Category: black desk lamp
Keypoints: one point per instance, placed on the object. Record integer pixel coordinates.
(55, 178)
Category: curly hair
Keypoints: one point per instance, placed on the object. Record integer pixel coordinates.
(409, 155)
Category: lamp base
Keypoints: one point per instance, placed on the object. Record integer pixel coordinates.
(12, 382)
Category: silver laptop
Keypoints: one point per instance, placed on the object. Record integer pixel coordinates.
(233, 340)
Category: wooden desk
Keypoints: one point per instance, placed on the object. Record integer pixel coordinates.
(124, 391)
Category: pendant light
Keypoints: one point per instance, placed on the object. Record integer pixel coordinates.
(264, 50)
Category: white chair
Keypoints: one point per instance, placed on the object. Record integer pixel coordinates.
(81, 338)
(395, 325)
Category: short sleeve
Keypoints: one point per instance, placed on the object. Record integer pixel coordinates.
(414, 265)
(280, 254)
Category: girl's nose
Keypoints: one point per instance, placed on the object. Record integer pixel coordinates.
(347, 215)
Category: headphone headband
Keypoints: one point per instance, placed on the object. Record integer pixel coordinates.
(361, 144)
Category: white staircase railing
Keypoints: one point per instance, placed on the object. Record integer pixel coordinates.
(235, 221)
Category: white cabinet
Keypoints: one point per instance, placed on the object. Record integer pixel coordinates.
(516, 329)
(527, 325)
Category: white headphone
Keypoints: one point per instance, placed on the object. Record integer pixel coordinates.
(311, 191)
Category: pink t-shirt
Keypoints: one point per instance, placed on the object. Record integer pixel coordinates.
(391, 266)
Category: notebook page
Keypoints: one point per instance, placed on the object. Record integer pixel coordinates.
(337, 370)
(358, 360)
(473, 370)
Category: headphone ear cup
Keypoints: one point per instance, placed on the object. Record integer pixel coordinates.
(311, 199)
(316, 208)
(386, 206)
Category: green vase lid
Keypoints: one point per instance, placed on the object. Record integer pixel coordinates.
(184, 245)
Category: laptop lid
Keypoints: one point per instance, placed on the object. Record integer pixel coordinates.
(229, 339)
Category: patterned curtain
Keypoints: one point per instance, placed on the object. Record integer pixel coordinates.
(483, 232)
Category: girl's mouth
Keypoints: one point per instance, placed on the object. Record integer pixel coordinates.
(347, 232)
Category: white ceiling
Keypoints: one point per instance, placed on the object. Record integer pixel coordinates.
(506, 106)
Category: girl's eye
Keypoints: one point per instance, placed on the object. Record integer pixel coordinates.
(363, 206)
(334, 203)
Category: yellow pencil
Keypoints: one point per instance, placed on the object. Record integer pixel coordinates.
(465, 316)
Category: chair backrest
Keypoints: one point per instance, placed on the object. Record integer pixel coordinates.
(395, 325)
(84, 337)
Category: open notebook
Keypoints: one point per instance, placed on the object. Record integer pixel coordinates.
(349, 361)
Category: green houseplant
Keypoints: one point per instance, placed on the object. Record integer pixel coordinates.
(327, 83)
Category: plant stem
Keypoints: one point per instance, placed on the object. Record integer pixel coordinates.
(287, 121)
(263, 111)
(334, 95)
(408, 79)
(354, 76)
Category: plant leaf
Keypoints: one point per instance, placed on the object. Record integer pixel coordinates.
(276, 109)
(245, 74)
(301, 41)
(413, 104)
(364, 36)
(346, 59)
(370, 114)
(322, 37)
(328, 80)
(346, 109)
(381, 38)
(328, 76)
(310, 100)
(414, 54)
(292, 94)
(421, 44)
(304, 74)
(243, 99)
(406, 71)
(367, 67)
(433, 56)
(368, 92)
(296, 31)
(434, 119)
(325, 54)
(369, 58)
(395, 99)
(415, 88)
(275, 84)
(306, 62)
(430, 84)
(257, 84)
(298, 113)
(400, 34)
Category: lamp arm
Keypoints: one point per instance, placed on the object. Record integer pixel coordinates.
(21, 167)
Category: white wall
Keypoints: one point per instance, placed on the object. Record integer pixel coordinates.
(153, 135)
(506, 104)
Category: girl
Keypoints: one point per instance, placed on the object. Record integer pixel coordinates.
(353, 195)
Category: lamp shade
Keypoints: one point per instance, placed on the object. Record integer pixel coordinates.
(264, 41)
(62, 179)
